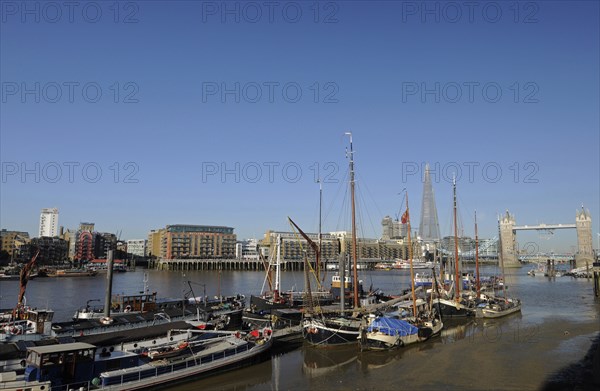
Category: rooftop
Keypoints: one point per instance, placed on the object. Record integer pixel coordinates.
(199, 228)
(66, 347)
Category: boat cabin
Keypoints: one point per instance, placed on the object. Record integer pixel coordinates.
(40, 320)
(139, 303)
(73, 363)
(60, 363)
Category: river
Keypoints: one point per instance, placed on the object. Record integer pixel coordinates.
(559, 318)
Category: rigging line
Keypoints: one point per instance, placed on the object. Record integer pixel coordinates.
(450, 223)
(369, 193)
(361, 199)
(361, 225)
(341, 185)
(362, 234)
(460, 219)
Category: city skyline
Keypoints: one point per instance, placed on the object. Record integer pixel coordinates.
(528, 242)
(233, 125)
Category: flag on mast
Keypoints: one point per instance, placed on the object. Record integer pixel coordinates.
(405, 217)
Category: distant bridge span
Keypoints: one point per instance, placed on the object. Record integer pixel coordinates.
(541, 227)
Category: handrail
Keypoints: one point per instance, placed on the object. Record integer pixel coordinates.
(190, 361)
(194, 360)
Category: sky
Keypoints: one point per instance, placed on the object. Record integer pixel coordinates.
(138, 114)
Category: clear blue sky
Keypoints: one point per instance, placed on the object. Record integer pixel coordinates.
(363, 71)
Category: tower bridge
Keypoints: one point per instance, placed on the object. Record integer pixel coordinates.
(583, 225)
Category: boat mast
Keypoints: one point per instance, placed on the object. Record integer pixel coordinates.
(441, 259)
(318, 262)
(277, 270)
(410, 257)
(477, 258)
(354, 252)
(457, 280)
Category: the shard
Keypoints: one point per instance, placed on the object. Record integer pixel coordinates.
(429, 228)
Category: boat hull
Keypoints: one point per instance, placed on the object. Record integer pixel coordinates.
(487, 312)
(23, 385)
(377, 340)
(451, 309)
(192, 369)
(337, 331)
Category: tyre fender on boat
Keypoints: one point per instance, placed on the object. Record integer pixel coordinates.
(266, 333)
(106, 320)
(424, 332)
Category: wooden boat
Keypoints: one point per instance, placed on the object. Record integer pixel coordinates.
(167, 351)
(327, 330)
(458, 306)
(387, 332)
(275, 298)
(384, 332)
(452, 308)
(338, 329)
(496, 307)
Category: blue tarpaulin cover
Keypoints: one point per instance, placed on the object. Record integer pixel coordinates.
(392, 326)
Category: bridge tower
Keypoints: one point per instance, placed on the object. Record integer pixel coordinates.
(585, 253)
(507, 240)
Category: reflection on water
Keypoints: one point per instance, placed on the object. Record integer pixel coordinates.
(324, 361)
(257, 375)
(374, 359)
(456, 329)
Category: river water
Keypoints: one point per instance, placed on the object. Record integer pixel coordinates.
(558, 320)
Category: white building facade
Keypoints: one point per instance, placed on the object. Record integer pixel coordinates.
(49, 222)
(137, 247)
(247, 249)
